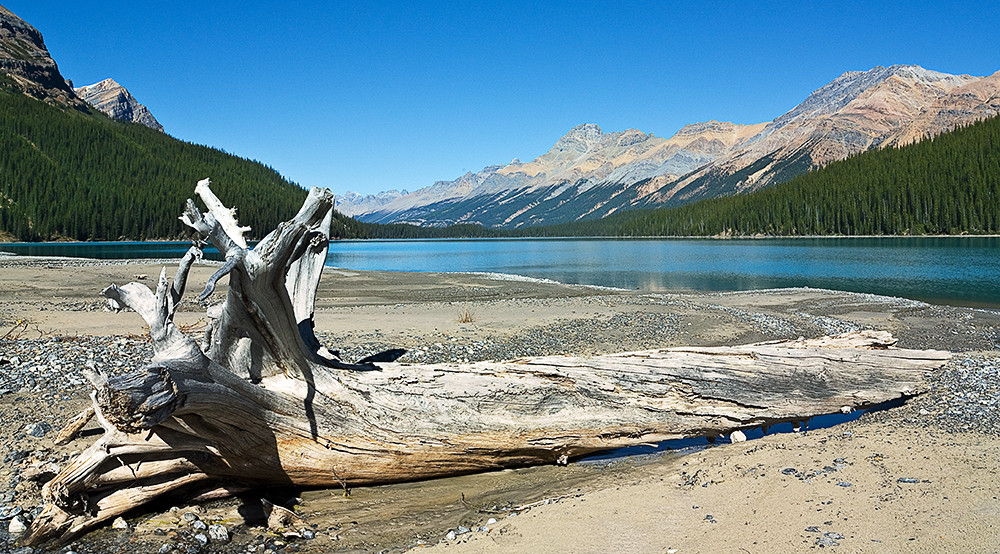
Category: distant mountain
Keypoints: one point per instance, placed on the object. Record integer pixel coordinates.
(26, 66)
(584, 173)
(857, 111)
(117, 103)
(352, 203)
(591, 174)
(940, 185)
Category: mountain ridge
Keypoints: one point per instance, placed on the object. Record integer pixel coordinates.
(589, 173)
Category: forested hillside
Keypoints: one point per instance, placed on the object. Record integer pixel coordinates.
(68, 174)
(948, 184)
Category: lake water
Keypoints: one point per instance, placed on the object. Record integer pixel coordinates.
(948, 270)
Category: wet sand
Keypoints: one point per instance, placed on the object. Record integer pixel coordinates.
(783, 492)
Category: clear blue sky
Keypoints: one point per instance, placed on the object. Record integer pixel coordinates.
(369, 96)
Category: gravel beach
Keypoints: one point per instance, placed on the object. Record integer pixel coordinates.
(918, 477)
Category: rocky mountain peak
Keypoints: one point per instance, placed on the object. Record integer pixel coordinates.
(117, 103)
(579, 139)
(25, 63)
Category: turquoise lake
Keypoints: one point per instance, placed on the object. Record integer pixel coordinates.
(944, 270)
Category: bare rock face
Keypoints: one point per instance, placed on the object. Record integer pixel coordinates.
(26, 66)
(118, 103)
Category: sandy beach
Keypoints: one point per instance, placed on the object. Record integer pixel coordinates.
(920, 477)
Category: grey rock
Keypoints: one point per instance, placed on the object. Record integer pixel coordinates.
(201, 538)
(823, 542)
(38, 430)
(844, 484)
(119, 523)
(17, 526)
(166, 548)
(190, 517)
(9, 512)
(200, 525)
(451, 535)
(907, 480)
(789, 471)
(812, 529)
(307, 534)
(218, 533)
(834, 536)
(462, 530)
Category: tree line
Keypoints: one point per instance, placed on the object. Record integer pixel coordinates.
(65, 174)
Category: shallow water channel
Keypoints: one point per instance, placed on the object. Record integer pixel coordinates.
(407, 514)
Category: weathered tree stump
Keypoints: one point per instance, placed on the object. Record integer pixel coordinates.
(262, 402)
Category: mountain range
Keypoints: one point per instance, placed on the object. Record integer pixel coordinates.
(589, 173)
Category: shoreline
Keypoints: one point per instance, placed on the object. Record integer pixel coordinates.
(946, 439)
(570, 237)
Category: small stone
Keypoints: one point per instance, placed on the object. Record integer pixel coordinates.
(738, 436)
(38, 430)
(451, 535)
(846, 409)
(200, 525)
(218, 533)
(190, 517)
(812, 529)
(40, 471)
(834, 536)
(201, 538)
(789, 471)
(823, 542)
(907, 480)
(843, 484)
(307, 534)
(119, 523)
(165, 549)
(7, 513)
(462, 530)
(491, 521)
(17, 526)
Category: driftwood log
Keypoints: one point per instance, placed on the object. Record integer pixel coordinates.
(261, 402)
